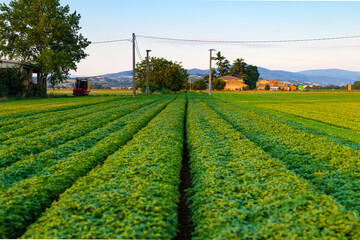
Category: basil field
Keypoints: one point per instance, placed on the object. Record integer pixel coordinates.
(249, 165)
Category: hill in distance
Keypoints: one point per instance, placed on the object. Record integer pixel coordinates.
(309, 77)
(338, 73)
(321, 76)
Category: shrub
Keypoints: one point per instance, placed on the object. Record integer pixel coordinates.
(218, 84)
(11, 83)
(199, 85)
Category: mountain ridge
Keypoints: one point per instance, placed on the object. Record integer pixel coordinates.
(307, 77)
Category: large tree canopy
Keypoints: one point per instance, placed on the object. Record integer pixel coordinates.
(43, 33)
(163, 74)
(252, 76)
(213, 75)
(223, 64)
(238, 69)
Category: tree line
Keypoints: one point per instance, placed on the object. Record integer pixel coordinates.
(164, 75)
(354, 86)
(239, 68)
(171, 76)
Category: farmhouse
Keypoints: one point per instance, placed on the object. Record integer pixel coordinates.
(260, 85)
(274, 85)
(27, 69)
(262, 82)
(275, 82)
(288, 88)
(233, 83)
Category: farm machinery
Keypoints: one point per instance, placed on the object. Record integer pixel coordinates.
(82, 87)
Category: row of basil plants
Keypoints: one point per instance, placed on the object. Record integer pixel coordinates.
(133, 195)
(33, 164)
(16, 148)
(241, 192)
(49, 121)
(332, 168)
(23, 202)
(37, 110)
(345, 137)
(319, 112)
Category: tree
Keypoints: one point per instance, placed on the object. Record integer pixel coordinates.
(267, 87)
(42, 33)
(187, 86)
(356, 85)
(223, 65)
(218, 84)
(163, 75)
(213, 75)
(252, 76)
(239, 68)
(199, 84)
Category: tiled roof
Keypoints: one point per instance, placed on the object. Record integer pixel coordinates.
(235, 83)
(228, 78)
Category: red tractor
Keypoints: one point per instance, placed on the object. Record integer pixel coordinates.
(82, 87)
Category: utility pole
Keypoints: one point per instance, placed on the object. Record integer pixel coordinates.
(147, 72)
(134, 74)
(210, 71)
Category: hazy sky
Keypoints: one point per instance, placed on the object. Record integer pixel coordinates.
(220, 20)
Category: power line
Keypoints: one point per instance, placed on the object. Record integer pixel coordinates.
(246, 42)
(76, 44)
(138, 50)
(99, 42)
(209, 41)
(112, 41)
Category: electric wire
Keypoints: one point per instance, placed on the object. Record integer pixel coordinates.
(138, 50)
(112, 41)
(209, 41)
(91, 43)
(246, 41)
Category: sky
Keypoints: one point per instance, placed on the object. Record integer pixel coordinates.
(220, 20)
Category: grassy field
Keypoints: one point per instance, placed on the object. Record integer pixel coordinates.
(93, 92)
(291, 97)
(249, 165)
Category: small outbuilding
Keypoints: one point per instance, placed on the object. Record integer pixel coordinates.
(27, 69)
